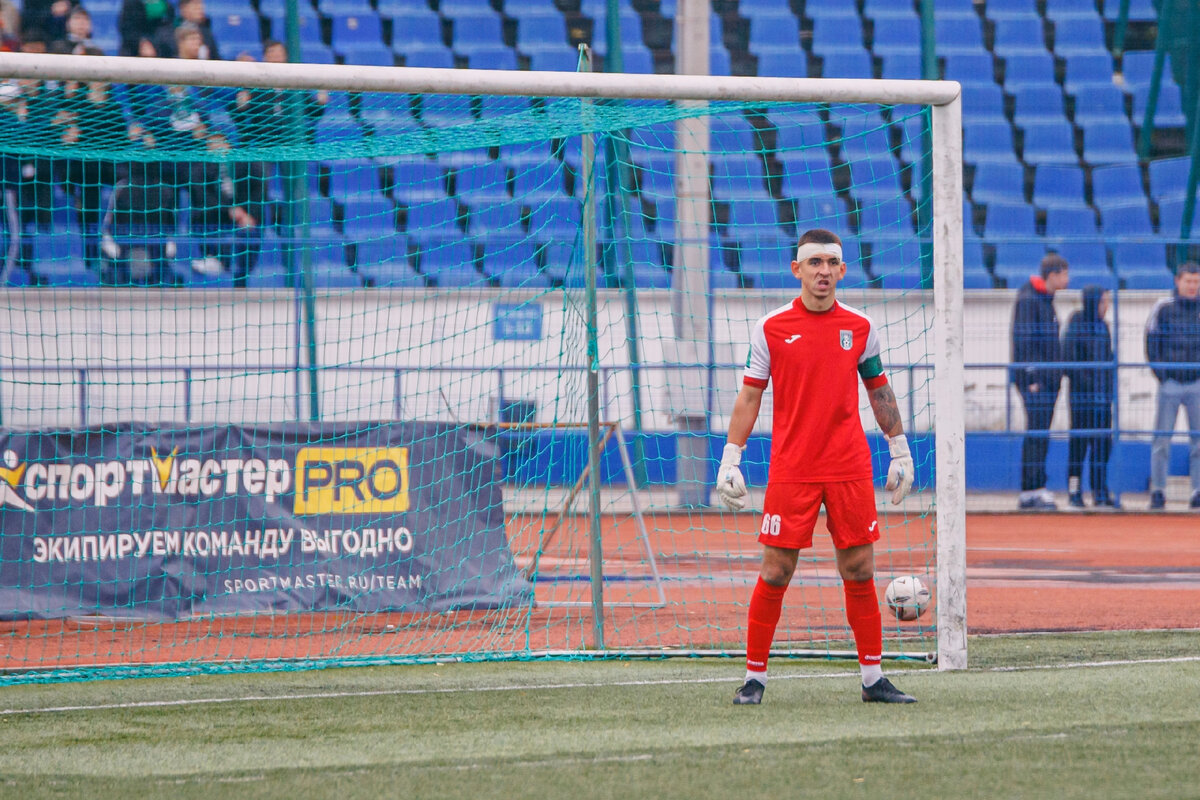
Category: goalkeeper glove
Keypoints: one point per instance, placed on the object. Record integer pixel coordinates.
(731, 486)
(900, 472)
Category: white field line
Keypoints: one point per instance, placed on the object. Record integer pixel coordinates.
(202, 701)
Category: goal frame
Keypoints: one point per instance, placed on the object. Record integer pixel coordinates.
(943, 98)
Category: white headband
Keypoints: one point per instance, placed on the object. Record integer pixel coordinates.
(810, 249)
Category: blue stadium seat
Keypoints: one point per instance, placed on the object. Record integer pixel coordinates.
(1126, 220)
(1117, 184)
(835, 34)
(564, 60)
(983, 102)
(885, 217)
(733, 134)
(1085, 257)
(1170, 218)
(958, 34)
(537, 181)
(777, 32)
(1160, 280)
(1108, 143)
(351, 179)
(900, 66)
(887, 10)
(416, 28)
(896, 263)
(434, 217)
(512, 263)
(865, 137)
(1168, 113)
(1058, 186)
(350, 32)
(487, 181)
(807, 174)
(368, 56)
(1003, 10)
(631, 28)
(1168, 178)
(1049, 143)
(235, 32)
(1019, 35)
(1099, 104)
(1017, 259)
(533, 32)
(752, 212)
(735, 177)
(479, 28)
(1087, 69)
(447, 261)
(1139, 10)
(1130, 257)
(1038, 103)
(447, 109)
(433, 56)
(555, 218)
(847, 64)
(829, 8)
(971, 67)
(490, 218)
(1028, 69)
(988, 141)
(344, 8)
(1009, 219)
(875, 178)
(491, 56)
(898, 35)
(1079, 35)
(310, 24)
(999, 182)
(367, 218)
(825, 211)
(417, 179)
(337, 127)
(1071, 10)
(779, 64)
(1137, 67)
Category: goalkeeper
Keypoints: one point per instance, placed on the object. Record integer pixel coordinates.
(815, 349)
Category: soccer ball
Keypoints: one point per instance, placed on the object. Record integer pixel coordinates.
(907, 597)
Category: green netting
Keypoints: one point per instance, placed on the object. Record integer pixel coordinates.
(291, 379)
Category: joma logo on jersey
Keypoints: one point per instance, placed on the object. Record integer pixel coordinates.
(352, 480)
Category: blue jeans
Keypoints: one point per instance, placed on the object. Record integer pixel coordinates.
(1171, 395)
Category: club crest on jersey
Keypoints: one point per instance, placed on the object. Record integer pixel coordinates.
(846, 338)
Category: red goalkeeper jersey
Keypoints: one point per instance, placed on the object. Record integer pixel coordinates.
(815, 360)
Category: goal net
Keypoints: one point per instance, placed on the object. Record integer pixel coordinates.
(304, 366)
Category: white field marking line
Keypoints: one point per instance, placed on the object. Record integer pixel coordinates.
(550, 686)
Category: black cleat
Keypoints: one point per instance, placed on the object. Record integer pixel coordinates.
(882, 691)
(750, 694)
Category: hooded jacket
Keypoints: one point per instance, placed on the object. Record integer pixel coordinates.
(1035, 337)
(1088, 340)
(1173, 336)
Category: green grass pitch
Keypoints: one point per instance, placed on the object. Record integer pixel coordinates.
(1081, 715)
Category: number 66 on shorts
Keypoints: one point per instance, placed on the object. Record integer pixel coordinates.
(770, 525)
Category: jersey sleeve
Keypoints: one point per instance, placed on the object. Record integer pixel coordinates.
(870, 364)
(758, 360)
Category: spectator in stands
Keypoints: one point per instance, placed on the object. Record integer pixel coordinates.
(228, 201)
(1087, 344)
(47, 16)
(10, 26)
(1034, 343)
(92, 120)
(1173, 349)
(140, 19)
(190, 11)
(78, 33)
(37, 111)
(263, 116)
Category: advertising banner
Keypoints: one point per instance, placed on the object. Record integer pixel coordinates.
(158, 522)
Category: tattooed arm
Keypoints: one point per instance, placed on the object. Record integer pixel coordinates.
(887, 414)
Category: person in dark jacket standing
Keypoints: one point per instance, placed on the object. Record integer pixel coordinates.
(1087, 344)
(1173, 350)
(1034, 343)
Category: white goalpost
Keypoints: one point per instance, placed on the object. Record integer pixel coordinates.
(618, 396)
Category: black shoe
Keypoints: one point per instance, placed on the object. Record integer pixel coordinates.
(750, 694)
(1075, 500)
(1195, 501)
(882, 691)
(1158, 501)
(1106, 500)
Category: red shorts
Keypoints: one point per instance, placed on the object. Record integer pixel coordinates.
(790, 514)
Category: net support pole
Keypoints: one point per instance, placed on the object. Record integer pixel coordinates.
(595, 552)
(948, 386)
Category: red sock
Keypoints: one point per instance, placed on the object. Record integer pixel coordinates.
(766, 603)
(862, 612)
